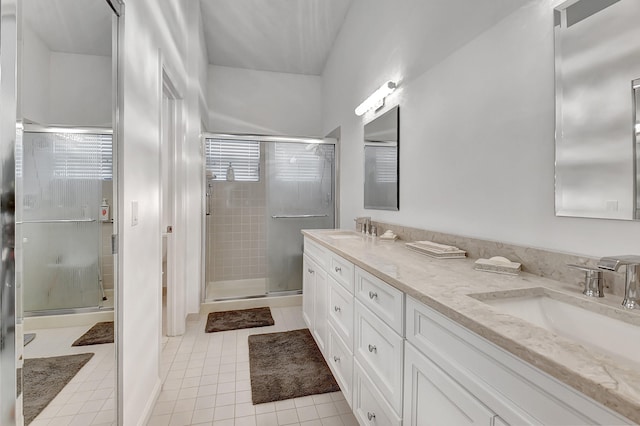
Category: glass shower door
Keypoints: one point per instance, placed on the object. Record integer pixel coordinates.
(300, 179)
(61, 179)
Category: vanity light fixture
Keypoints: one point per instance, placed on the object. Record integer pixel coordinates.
(376, 99)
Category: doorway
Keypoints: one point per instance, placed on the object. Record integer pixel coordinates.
(172, 321)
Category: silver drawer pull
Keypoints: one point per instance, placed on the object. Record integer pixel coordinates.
(338, 269)
(336, 358)
(311, 271)
(336, 308)
(373, 349)
(372, 295)
(371, 416)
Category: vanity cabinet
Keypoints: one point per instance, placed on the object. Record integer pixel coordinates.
(440, 374)
(327, 301)
(444, 359)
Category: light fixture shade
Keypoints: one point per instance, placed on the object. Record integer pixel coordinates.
(376, 98)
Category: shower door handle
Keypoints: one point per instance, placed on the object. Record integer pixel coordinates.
(297, 216)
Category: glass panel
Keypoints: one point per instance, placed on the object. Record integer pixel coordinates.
(61, 184)
(300, 195)
(254, 244)
(233, 160)
(381, 178)
(236, 249)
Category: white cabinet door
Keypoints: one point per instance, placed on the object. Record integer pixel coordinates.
(431, 397)
(340, 360)
(321, 310)
(369, 405)
(341, 311)
(380, 352)
(309, 269)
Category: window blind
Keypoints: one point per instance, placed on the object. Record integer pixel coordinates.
(386, 163)
(70, 155)
(301, 162)
(243, 156)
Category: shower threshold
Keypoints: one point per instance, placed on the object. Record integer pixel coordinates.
(256, 296)
(68, 311)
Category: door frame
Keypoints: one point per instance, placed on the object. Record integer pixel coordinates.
(176, 289)
(331, 139)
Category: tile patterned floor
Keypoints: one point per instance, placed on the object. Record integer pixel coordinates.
(88, 399)
(206, 382)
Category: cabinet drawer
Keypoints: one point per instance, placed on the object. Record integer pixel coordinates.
(341, 311)
(369, 406)
(318, 253)
(342, 270)
(382, 299)
(380, 352)
(340, 360)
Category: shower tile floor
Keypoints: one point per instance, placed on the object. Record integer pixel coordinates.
(88, 399)
(206, 382)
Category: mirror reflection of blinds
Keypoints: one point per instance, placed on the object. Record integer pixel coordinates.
(244, 157)
(386, 159)
(73, 155)
(300, 162)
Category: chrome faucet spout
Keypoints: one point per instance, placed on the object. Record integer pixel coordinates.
(632, 277)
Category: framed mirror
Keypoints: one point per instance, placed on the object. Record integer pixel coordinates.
(381, 161)
(597, 64)
(65, 193)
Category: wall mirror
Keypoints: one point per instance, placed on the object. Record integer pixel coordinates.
(597, 63)
(381, 161)
(64, 210)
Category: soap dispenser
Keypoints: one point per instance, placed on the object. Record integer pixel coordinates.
(104, 210)
(231, 176)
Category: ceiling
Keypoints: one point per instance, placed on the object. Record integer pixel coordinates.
(71, 26)
(292, 36)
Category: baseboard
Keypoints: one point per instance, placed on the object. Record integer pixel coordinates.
(151, 403)
(272, 302)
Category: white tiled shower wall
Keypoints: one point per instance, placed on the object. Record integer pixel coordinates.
(236, 230)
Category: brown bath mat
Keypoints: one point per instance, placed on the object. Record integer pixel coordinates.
(44, 378)
(287, 365)
(234, 320)
(100, 333)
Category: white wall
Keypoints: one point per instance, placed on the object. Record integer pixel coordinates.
(63, 88)
(477, 129)
(33, 102)
(155, 31)
(262, 102)
(80, 90)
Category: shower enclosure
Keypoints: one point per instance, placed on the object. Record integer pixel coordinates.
(261, 192)
(62, 176)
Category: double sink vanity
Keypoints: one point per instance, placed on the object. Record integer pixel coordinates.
(414, 340)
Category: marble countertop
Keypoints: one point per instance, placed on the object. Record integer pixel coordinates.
(445, 285)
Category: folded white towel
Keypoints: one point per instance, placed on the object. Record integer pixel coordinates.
(435, 246)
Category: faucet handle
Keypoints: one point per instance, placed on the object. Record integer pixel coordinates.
(612, 263)
(593, 280)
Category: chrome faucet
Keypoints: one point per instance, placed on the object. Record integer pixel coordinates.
(593, 281)
(632, 278)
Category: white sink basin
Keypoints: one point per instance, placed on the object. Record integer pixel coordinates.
(608, 330)
(344, 235)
